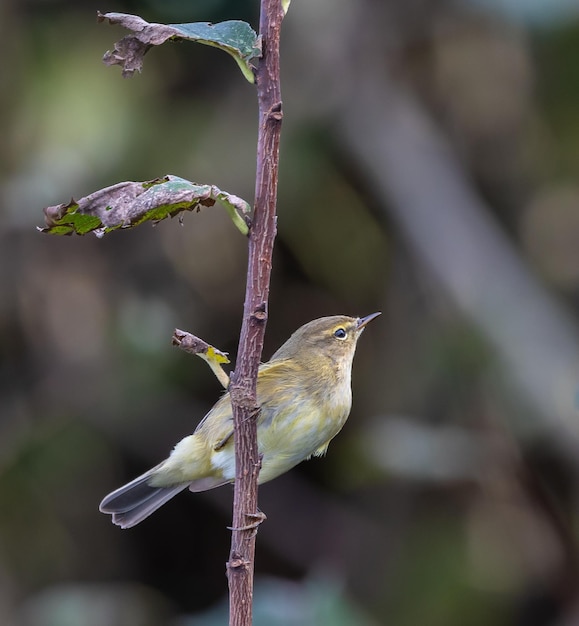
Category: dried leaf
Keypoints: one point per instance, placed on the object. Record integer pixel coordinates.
(129, 204)
(235, 37)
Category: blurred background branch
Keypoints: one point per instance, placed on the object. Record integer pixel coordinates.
(430, 170)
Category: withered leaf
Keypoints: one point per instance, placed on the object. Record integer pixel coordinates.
(235, 37)
(129, 204)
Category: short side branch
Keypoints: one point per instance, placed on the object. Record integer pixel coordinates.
(212, 356)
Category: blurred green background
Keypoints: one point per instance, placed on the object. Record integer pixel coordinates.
(430, 170)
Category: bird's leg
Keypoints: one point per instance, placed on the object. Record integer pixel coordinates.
(253, 415)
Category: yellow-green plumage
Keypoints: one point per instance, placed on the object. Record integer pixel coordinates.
(304, 395)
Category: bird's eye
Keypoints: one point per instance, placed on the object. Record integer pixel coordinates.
(340, 333)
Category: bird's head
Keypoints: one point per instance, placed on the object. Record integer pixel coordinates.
(325, 338)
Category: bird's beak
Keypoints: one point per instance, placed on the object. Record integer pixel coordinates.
(362, 321)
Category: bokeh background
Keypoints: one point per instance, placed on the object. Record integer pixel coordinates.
(430, 170)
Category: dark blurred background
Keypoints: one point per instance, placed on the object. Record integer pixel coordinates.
(429, 169)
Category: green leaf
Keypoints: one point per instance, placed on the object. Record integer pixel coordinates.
(129, 204)
(235, 37)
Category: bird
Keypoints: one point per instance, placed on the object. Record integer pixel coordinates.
(304, 397)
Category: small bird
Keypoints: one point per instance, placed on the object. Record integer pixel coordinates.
(304, 397)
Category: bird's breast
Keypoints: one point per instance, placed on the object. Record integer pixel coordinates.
(299, 427)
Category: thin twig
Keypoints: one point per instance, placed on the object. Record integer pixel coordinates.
(243, 380)
(211, 355)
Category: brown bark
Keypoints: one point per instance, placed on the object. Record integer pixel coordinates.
(243, 380)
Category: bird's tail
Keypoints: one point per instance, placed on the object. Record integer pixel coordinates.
(133, 502)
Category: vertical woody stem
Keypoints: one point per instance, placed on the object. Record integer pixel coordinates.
(243, 380)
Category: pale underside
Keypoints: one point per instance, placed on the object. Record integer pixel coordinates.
(291, 428)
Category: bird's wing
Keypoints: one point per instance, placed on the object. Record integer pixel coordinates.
(217, 425)
(273, 380)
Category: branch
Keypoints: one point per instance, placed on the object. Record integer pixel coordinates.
(243, 379)
(212, 356)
